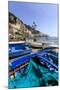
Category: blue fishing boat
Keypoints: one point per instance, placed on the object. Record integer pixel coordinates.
(47, 58)
(18, 49)
(40, 68)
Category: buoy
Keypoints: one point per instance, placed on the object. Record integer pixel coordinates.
(51, 69)
(12, 76)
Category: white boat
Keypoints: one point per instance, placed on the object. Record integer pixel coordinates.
(42, 44)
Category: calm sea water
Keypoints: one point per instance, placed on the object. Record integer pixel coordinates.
(55, 40)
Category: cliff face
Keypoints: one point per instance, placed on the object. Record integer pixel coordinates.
(18, 30)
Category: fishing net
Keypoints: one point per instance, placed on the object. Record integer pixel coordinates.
(33, 75)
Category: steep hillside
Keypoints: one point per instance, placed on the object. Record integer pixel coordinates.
(20, 31)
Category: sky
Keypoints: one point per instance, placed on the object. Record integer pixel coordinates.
(44, 15)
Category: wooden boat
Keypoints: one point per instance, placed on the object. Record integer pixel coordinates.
(18, 49)
(46, 58)
(43, 44)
